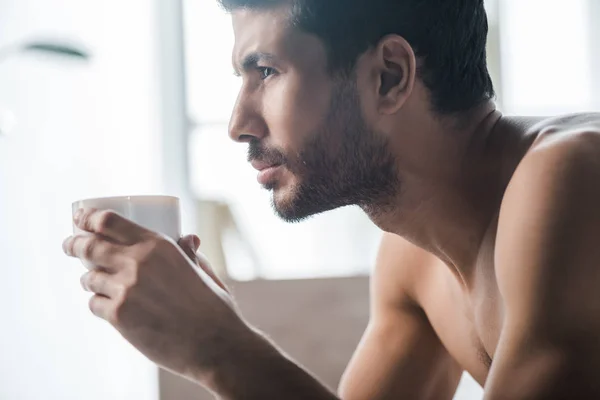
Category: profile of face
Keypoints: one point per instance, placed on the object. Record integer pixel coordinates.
(305, 127)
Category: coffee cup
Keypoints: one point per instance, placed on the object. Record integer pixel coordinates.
(161, 214)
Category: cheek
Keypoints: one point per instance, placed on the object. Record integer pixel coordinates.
(294, 109)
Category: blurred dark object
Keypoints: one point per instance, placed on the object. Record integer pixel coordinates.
(58, 49)
(48, 48)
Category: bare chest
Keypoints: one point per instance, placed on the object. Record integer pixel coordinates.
(468, 325)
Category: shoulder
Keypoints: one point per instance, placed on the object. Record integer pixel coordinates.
(565, 147)
(400, 269)
(562, 162)
(558, 178)
(550, 218)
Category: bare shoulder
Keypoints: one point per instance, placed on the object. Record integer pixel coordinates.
(566, 151)
(562, 163)
(400, 268)
(549, 218)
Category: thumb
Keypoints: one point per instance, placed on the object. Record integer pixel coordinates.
(190, 245)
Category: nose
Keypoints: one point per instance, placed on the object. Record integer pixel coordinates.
(246, 122)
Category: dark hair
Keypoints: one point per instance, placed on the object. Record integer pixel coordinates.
(448, 37)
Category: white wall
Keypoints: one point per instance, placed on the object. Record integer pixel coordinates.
(83, 130)
(547, 56)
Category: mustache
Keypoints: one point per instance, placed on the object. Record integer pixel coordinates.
(257, 151)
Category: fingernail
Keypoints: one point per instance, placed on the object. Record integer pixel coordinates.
(196, 242)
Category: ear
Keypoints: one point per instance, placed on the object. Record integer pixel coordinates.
(395, 65)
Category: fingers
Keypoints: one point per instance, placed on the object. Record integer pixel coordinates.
(101, 307)
(96, 250)
(195, 241)
(102, 283)
(190, 244)
(110, 224)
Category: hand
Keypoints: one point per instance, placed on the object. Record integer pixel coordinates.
(190, 245)
(146, 286)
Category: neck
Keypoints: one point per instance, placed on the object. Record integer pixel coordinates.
(449, 206)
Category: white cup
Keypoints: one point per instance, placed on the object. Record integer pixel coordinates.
(161, 214)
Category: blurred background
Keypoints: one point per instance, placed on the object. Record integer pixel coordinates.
(133, 97)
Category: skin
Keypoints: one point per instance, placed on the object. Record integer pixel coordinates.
(489, 263)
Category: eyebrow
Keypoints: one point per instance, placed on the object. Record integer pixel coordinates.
(251, 61)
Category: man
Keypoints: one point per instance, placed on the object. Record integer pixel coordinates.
(490, 263)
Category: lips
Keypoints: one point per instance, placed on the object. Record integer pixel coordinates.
(262, 165)
(267, 171)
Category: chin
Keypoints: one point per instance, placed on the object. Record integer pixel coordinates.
(283, 198)
(292, 205)
(286, 204)
(283, 188)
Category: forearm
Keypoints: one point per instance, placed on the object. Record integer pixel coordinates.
(259, 370)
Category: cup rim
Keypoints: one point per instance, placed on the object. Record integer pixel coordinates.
(147, 198)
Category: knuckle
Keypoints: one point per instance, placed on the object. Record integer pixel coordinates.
(121, 292)
(103, 309)
(128, 278)
(133, 278)
(106, 220)
(88, 247)
(132, 282)
(131, 270)
(143, 252)
(73, 245)
(86, 218)
(115, 314)
(94, 305)
(157, 245)
(91, 281)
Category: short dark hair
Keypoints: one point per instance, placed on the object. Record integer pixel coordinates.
(448, 36)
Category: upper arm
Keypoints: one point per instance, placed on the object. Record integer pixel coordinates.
(548, 268)
(399, 355)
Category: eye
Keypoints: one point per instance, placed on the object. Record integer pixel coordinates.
(265, 72)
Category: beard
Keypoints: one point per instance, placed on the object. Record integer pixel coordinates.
(343, 163)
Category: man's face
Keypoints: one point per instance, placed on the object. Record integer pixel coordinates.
(305, 128)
